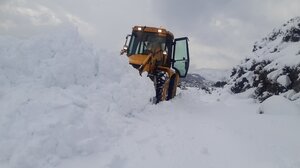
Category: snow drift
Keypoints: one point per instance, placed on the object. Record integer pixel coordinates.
(59, 98)
(274, 66)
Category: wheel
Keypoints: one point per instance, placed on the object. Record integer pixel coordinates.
(160, 78)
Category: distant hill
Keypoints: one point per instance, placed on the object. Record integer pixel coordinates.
(205, 78)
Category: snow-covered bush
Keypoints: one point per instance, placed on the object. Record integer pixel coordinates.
(274, 66)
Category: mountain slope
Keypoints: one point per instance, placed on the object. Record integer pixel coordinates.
(274, 66)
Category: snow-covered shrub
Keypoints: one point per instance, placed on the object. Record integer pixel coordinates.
(274, 67)
(293, 77)
(220, 84)
(266, 87)
(240, 86)
(292, 35)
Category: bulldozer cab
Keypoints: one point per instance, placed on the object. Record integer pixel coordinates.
(143, 43)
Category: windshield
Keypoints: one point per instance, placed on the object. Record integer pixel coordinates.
(143, 42)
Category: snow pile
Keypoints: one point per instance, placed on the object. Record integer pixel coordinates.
(279, 105)
(47, 59)
(60, 99)
(274, 66)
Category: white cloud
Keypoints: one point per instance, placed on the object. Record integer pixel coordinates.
(7, 24)
(207, 56)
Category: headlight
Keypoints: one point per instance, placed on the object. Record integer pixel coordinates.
(159, 30)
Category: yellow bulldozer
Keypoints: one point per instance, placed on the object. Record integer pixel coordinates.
(165, 59)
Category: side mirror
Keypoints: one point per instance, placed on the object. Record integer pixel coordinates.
(125, 47)
(124, 50)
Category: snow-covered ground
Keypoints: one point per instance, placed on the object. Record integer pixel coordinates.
(65, 105)
(200, 130)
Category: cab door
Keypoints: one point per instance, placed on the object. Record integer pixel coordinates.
(181, 59)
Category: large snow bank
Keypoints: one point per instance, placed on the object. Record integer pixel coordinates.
(59, 98)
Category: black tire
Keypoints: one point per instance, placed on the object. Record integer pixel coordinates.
(159, 81)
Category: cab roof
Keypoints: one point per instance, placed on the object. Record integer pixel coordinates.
(161, 31)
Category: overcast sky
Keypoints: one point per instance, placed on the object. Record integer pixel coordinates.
(221, 32)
